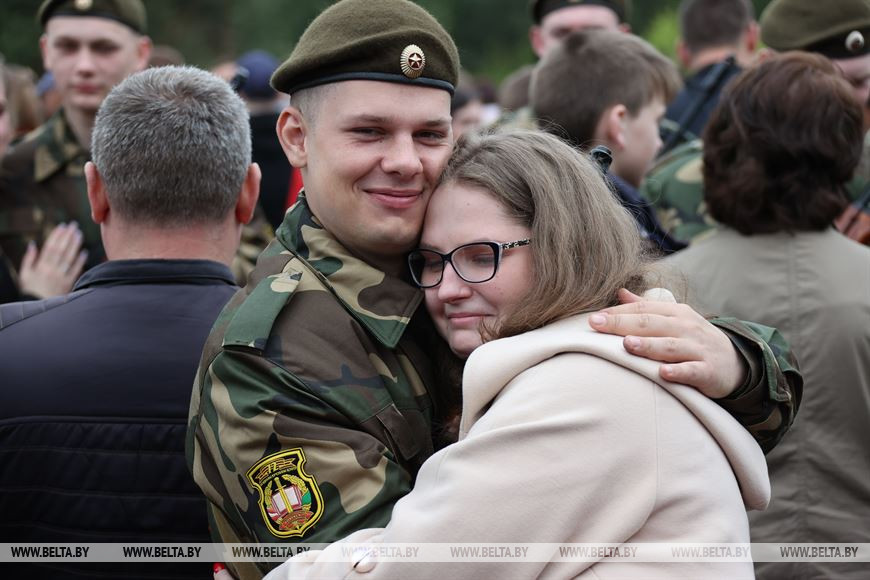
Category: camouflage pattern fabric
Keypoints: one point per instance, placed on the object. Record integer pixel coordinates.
(675, 188)
(311, 411)
(768, 401)
(42, 184)
(256, 235)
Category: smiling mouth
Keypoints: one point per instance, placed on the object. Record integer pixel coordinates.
(395, 199)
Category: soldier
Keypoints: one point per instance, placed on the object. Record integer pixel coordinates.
(553, 20)
(556, 19)
(89, 46)
(717, 39)
(675, 186)
(322, 381)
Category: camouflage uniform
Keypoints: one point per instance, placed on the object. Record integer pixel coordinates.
(42, 185)
(314, 386)
(675, 187)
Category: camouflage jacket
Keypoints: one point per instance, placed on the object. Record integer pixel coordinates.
(311, 411)
(42, 184)
(675, 187)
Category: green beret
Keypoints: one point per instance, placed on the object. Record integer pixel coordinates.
(839, 29)
(541, 8)
(382, 40)
(128, 12)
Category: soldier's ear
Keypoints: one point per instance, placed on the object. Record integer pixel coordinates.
(536, 39)
(96, 193)
(292, 132)
(47, 61)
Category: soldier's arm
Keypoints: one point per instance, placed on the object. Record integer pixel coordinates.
(279, 463)
(768, 400)
(747, 368)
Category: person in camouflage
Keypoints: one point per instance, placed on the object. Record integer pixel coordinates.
(675, 185)
(322, 382)
(89, 47)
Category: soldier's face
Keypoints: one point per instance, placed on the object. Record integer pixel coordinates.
(857, 72)
(558, 24)
(372, 159)
(461, 214)
(88, 56)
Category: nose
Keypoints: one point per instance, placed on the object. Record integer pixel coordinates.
(452, 287)
(402, 157)
(84, 63)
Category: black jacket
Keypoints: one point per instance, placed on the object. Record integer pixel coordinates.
(644, 214)
(94, 396)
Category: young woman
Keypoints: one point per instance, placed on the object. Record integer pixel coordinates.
(564, 437)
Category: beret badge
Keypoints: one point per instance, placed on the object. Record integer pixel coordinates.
(83, 5)
(855, 41)
(412, 61)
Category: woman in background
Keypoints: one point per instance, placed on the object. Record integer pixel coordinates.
(778, 153)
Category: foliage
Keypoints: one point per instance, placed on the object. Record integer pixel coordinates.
(492, 35)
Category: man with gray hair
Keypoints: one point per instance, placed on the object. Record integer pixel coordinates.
(97, 383)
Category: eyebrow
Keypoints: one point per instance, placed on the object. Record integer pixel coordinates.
(383, 120)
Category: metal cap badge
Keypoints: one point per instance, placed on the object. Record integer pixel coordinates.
(413, 61)
(855, 41)
(83, 5)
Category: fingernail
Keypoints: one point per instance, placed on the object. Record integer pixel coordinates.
(217, 567)
(632, 342)
(667, 370)
(598, 319)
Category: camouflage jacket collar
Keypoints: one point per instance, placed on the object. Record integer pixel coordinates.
(382, 303)
(57, 148)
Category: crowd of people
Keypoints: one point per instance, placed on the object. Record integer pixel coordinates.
(386, 309)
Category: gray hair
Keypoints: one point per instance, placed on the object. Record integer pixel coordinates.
(173, 146)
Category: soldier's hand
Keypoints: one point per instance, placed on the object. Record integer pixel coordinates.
(696, 353)
(54, 270)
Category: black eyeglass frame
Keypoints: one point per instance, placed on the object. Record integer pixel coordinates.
(497, 247)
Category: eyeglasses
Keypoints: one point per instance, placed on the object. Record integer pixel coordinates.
(474, 263)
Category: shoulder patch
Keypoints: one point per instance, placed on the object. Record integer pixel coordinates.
(290, 501)
(252, 323)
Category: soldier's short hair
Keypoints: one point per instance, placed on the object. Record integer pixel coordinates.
(714, 23)
(585, 245)
(593, 70)
(774, 159)
(173, 146)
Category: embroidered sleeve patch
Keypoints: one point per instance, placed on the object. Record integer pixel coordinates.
(290, 500)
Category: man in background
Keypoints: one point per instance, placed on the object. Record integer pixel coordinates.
(675, 185)
(718, 39)
(96, 384)
(552, 22)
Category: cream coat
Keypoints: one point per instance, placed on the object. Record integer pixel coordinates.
(566, 438)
